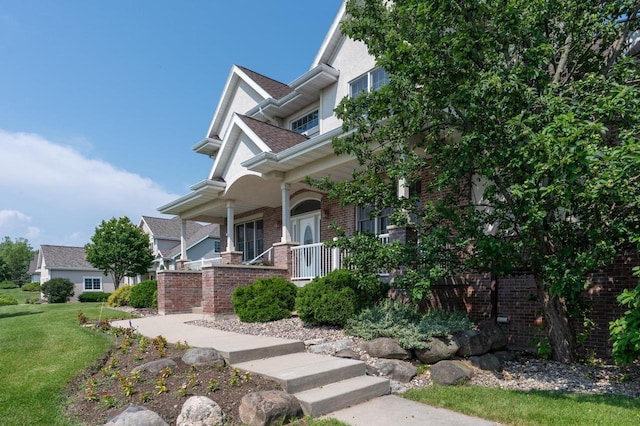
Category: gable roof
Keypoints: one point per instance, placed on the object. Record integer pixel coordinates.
(276, 138)
(64, 257)
(208, 231)
(274, 88)
(169, 228)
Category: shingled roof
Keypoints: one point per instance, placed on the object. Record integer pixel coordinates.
(276, 138)
(273, 87)
(170, 228)
(211, 230)
(64, 257)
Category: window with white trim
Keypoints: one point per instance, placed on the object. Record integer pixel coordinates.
(249, 239)
(374, 224)
(305, 123)
(372, 80)
(92, 283)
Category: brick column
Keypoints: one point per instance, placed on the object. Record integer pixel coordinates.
(282, 257)
(231, 257)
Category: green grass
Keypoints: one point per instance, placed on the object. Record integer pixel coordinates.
(532, 408)
(20, 295)
(42, 348)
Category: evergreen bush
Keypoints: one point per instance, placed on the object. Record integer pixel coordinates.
(6, 300)
(319, 303)
(57, 290)
(143, 294)
(120, 297)
(93, 296)
(33, 286)
(266, 299)
(7, 285)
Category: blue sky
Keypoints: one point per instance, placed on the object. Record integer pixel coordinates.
(101, 101)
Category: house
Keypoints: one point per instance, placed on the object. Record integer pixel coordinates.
(266, 137)
(71, 263)
(33, 271)
(202, 242)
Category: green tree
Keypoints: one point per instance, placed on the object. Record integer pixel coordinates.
(15, 256)
(525, 116)
(119, 248)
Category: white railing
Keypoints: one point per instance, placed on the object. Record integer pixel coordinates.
(265, 258)
(197, 265)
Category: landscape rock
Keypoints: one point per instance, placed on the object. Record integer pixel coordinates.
(440, 348)
(330, 348)
(398, 387)
(385, 347)
(200, 411)
(472, 342)
(136, 415)
(400, 371)
(487, 362)
(504, 356)
(495, 334)
(154, 367)
(347, 353)
(268, 407)
(449, 372)
(203, 356)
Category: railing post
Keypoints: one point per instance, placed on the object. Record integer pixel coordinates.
(335, 256)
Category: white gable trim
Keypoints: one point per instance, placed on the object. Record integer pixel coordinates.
(331, 40)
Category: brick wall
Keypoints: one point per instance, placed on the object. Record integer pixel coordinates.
(179, 291)
(218, 283)
(333, 213)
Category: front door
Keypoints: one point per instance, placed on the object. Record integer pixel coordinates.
(307, 234)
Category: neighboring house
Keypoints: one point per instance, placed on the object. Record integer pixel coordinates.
(34, 272)
(202, 242)
(71, 263)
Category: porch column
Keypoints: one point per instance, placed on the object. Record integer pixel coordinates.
(183, 239)
(286, 213)
(231, 244)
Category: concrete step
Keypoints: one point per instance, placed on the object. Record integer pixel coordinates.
(336, 396)
(239, 348)
(303, 371)
(197, 310)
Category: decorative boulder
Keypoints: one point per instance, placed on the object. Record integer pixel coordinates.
(385, 347)
(396, 370)
(347, 353)
(487, 362)
(330, 348)
(472, 342)
(154, 367)
(203, 356)
(450, 373)
(440, 348)
(268, 407)
(135, 415)
(495, 334)
(200, 411)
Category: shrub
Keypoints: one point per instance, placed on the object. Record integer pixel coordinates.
(336, 297)
(93, 296)
(266, 299)
(625, 331)
(6, 285)
(142, 295)
(120, 297)
(57, 290)
(6, 300)
(405, 323)
(34, 286)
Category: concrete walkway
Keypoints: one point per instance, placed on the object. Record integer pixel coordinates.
(237, 348)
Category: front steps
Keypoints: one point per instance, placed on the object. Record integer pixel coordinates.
(321, 383)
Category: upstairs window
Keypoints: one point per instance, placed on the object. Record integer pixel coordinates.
(372, 80)
(305, 123)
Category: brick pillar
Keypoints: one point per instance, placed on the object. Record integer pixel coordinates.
(282, 257)
(404, 234)
(231, 257)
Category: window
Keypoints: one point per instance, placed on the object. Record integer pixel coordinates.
(92, 284)
(216, 246)
(249, 239)
(305, 122)
(374, 224)
(373, 80)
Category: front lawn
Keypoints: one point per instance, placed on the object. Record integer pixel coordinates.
(511, 407)
(20, 296)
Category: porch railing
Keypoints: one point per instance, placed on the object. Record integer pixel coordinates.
(197, 265)
(266, 258)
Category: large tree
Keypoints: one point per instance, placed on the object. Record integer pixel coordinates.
(119, 248)
(525, 115)
(15, 256)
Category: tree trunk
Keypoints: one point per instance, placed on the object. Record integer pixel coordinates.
(559, 329)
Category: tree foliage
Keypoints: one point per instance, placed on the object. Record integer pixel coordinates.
(524, 116)
(119, 248)
(15, 256)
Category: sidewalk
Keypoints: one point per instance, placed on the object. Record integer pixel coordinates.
(383, 411)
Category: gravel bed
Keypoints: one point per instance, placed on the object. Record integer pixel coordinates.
(525, 373)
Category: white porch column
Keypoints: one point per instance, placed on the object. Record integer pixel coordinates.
(231, 243)
(183, 239)
(403, 188)
(286, 213)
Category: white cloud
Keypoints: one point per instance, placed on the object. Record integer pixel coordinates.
(54, 193)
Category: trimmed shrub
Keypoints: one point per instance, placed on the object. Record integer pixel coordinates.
(94, 296)
(405, 323)
(57, 290)
(366, 296)
(6, 300)
(319, 303)
(34, 286)
(266, 299)
(7, 285)
(120, 297)
(142, 295)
